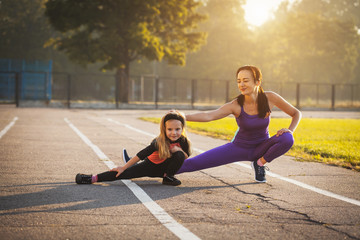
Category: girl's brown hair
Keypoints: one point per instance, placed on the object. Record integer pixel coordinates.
(262, 101)
(162, 142)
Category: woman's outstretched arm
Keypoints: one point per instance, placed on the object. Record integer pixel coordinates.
(207, 116)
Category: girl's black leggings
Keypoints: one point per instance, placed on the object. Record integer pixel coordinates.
(147, 168)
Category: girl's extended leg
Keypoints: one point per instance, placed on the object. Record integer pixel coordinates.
(273, 147)
(147, 168)
(143, 169)
(222, 155)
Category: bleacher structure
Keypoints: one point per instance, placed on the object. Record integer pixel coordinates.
(25, 80)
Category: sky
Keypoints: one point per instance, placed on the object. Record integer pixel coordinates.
(258, 12)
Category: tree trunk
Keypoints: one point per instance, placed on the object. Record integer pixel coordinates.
(122, 80)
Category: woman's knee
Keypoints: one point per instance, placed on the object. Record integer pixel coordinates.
(286, 139)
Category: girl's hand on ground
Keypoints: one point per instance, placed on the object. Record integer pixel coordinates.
(119, 170)
(283, 130)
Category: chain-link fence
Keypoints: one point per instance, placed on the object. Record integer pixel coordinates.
(98, 90)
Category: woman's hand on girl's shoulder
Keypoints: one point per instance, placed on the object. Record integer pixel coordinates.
(119, 170)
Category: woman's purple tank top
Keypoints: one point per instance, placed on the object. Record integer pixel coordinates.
(252, 129)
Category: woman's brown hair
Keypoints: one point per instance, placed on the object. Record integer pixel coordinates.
(262, 101)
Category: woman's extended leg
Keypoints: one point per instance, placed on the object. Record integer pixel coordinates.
(273, 147)
(222, 155)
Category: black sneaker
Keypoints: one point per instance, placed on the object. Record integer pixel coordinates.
(83, 178)
(259, 172)
(126, 157)
(168, 180)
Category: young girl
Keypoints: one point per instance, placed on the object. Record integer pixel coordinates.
(252, 109)
(162, 158)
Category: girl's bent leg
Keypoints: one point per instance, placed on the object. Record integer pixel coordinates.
(273, 147)
(222, 155)
(175, 162)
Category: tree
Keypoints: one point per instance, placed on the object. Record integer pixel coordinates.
(308, 46)
(341, 10)
(227, 41)
(23, 30)
(346, 10)
(118, 32)
(228, 44)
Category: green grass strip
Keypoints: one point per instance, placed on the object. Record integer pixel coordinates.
(331, 141)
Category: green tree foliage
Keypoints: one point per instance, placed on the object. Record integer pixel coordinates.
(309, 41)
(23, 30)
(304, 46)
(119, 32)
(228, 44)
(346, 10)
(228, 40)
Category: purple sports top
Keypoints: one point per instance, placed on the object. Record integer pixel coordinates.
(252, 129)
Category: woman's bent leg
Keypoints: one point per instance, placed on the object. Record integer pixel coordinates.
(222, 155)
(273, 147)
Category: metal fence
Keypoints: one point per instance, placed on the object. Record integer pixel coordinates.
(147, 91)
(31, 85)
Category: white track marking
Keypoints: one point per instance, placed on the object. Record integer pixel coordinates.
(179, 230)
(7, 128)
(132, 128)
(307, 186)
(289, 180)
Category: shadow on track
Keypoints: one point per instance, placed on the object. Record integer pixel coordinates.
(68, 196)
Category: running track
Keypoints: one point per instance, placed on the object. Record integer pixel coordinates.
(41, 150)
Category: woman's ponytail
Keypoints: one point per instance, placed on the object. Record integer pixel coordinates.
(263, 104)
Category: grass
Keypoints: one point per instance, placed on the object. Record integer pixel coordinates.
(331, 141)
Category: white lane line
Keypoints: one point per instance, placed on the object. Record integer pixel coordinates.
(300, 184)
(179, 230)
(307, 186)
(130, 127)
(7, 128)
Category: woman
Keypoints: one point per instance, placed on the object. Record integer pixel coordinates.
(252, 109)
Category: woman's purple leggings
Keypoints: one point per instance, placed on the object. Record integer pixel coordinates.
(232, 152)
